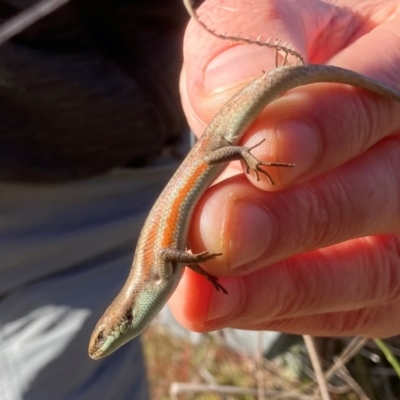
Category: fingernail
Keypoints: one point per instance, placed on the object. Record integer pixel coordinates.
(235, 65)
(299, 144)
(250, 229)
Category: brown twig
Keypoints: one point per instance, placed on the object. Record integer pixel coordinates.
(27, 18)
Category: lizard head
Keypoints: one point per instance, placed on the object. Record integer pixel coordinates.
(112, 331)
(129, 314)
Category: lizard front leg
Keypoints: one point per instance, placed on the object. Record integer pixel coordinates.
(232, 153)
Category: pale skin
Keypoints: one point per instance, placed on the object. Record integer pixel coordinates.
(319, 252)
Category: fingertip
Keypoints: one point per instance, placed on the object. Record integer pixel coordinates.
(191, 300)
(232, 219)
(189, 97)
(200, 307)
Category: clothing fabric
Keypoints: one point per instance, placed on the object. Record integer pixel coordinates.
(66, 250)
(91, 87)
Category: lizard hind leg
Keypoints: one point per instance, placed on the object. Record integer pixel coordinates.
(192, 261)
(213, 279)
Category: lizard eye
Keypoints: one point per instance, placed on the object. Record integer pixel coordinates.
(100, 338)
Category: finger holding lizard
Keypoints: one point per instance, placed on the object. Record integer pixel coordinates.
(343, 192)
(317, 127)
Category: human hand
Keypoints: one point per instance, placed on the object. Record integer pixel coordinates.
(320, 254)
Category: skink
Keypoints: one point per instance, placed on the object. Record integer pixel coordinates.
(160, 255)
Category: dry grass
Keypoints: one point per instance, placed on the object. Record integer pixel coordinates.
(209, 371)
(170, 359)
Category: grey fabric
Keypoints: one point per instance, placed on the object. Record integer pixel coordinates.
(65, 252)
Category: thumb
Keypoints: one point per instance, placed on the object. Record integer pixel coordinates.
(214, 68)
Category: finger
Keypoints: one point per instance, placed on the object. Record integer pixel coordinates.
(215, 69)
(372, 322)
(317, 127)
(335, 291)
(320, 127)
(253, 228)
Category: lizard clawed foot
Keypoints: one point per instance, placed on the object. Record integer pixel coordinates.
(254, 164)
(214, 280)
(205, 256)
(211, 278)
(201, 257)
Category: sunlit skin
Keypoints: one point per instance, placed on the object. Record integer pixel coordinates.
(343, 193)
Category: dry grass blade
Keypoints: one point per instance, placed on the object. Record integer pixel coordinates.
(178, 388)
(345, 375)
(315, 361)
(347, 354)
(26, 18)
(259, 366)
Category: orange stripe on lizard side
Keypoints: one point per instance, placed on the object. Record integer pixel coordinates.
(148, 255)
(178, 201)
